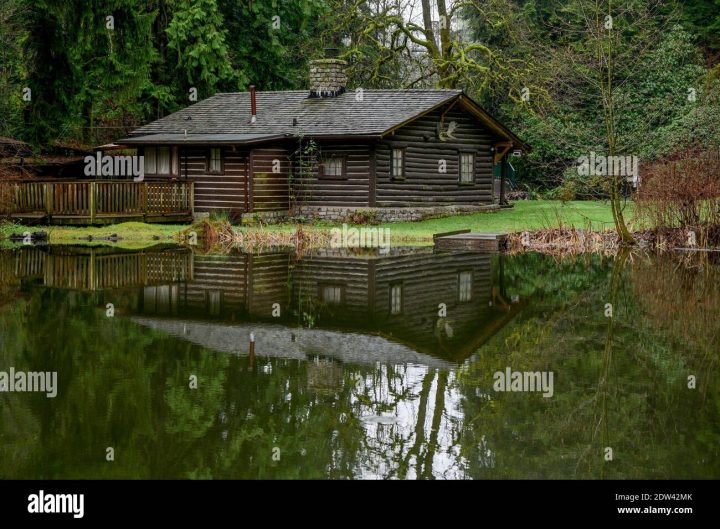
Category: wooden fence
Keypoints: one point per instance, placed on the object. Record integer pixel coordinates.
(98, 202)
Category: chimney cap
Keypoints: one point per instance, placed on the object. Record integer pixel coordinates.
(332, 53)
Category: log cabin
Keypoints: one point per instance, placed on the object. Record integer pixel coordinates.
(331, 151)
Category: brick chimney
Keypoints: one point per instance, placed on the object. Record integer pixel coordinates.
(327, 76)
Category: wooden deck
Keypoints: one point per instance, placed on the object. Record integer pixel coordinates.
(98, 201)
(464, 240)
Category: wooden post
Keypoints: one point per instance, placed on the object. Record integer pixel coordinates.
(503, 175)
(91, 271)
(372, 186)
(192, 197)
(92, 192)
(144, 199)
(48, 198)
(252, 349)
(251, 183)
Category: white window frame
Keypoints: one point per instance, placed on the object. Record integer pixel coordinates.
(155, 160)
(397, 163)
(465, 285)
(213, 160)
(396, 295)
(337, 163)
(336, 298)
(467, 167)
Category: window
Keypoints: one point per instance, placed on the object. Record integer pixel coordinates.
(467, 168)
(157, 160)
(215, 160)
(214, 299)
(395, 299)
(163, 160)
(465, 286)
(398, 163)
(332, 294)
(150, 166)
(334, 167)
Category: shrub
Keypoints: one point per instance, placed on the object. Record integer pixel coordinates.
(363, 216)
(682, 192)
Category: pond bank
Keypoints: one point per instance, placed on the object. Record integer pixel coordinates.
(539, 225)
(572, 240)
(524, 216)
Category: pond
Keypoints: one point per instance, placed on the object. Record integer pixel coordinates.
(404, 364)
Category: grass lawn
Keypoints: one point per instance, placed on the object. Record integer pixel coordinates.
(527, 215)
(132, 234)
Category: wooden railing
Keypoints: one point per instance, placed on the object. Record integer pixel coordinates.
(98, 201)
(96, 269)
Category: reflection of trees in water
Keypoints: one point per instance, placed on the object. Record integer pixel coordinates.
(420, 439)
(622, 386)
(680, 297)
(602, 395)
(126, 387)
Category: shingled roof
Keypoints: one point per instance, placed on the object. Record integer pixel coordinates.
(293, 113)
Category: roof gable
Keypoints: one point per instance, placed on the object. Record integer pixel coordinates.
(229, 113)
(293, 114)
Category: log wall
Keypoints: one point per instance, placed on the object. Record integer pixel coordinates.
(424, 184)
(351, 190)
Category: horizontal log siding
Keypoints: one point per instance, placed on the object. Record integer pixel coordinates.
(220, 274)
(269, 276)
(216, 192)
(353, 190)
(426, 281)
(270, 191)
(311, 274)
(424, 185)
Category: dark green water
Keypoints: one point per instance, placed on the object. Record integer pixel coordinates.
(365, 365)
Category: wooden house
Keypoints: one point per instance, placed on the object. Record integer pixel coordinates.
(330, 151)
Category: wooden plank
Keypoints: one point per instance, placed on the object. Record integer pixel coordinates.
(470, 241)
(448, 233)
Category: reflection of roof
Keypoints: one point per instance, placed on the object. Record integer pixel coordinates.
(277, 341)
(469, 338)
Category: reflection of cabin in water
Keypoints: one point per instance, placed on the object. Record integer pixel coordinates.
(443, 304)
(438, 303)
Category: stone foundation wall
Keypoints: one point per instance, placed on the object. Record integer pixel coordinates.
(337, 213)
(265, 216)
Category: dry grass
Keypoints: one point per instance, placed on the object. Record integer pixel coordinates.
(219, 236)
(300, 239)
(565, 240)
